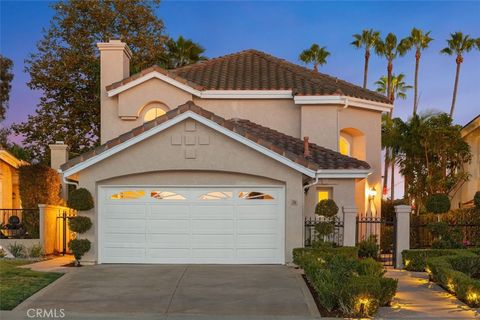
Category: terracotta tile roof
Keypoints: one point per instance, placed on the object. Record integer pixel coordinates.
(256, 70)
(285, 145)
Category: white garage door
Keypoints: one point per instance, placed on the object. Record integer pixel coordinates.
(191, 225)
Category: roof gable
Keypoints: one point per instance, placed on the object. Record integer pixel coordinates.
(283, 148)
(251, 71)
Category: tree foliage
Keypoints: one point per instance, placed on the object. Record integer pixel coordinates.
(399, 86)
(39, 185)
(182, 52)
(66, 67)
(431, 154)
(368, 39)
(6, 77)
(316, 55)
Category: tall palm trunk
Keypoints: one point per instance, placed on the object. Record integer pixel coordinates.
(454, 98)
(389, 96)
(415, 95)
(365, 71)
(392, 179)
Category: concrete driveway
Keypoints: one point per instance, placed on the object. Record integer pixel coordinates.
(178, 290)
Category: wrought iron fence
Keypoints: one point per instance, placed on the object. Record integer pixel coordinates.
(311, 235)
(19, 223)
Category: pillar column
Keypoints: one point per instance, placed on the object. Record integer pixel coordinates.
(402, 235)
(349, 225)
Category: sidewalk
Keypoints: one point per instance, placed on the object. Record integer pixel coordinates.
(51, 265)
(417, 298)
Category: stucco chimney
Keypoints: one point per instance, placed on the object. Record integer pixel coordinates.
(306, 147)
(58, 154)
(114, 66)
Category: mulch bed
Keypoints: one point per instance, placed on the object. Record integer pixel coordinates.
(323, 312)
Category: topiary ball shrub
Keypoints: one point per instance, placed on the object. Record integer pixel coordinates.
(80, 224)
(476, 200)
(327, 208)
(438, 203)
(79, 247)
(80, 199)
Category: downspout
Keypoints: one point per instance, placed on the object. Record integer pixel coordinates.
(68, 181)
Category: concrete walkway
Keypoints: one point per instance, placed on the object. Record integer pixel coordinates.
(417, 298)
(51, 265)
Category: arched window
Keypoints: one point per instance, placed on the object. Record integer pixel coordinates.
(153, 113)
(344, 146)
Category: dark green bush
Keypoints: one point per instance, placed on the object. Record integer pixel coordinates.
(80, 224)
(437, 203)
(476, 200)
(39, 184)
(79, 247)
(416, 259)
(326, 208)
(302, 256)
(443, 270)
(355, 287)
(369, 248)
(80, 199)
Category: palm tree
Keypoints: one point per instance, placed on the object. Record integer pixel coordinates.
(367, 39)
(399, 89)
(182, 52)
(420, 41)
(316, 55)
(390, 48)
(457, 45)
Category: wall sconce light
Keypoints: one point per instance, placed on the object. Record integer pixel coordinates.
(372, 193)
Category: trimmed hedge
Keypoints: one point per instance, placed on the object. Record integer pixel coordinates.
(454, 274)
(80, 199)
(438, 203)
(416, 259)
(343, 283)
(39, 184)
(80, 224)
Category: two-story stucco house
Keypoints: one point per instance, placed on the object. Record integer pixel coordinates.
(221, 161)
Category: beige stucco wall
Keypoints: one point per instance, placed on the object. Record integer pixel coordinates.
(9, 188)
(468, 189)
(343, 192)
(157, 161)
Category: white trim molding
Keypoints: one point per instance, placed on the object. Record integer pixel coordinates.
(189, 114)
(343, 100)
(343, 173)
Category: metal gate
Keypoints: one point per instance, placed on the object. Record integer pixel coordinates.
(64, 235)
(384, 231)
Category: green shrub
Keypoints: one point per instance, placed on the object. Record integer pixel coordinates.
(80, 224)
(35, 251)
(355, 287)
(79, 247)
(17, 250)
(369, 248)
(326, 208)
(447, 237)
(443, 270)
(302, 256)
(39, 184)
(437, 203)
(416, 259)
(80, 199)
(476, 199)
(3, 254)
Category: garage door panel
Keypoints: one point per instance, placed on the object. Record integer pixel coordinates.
(168, 240)
(125, 211)
(213, 241)
(206, 212)
(257, 226)
(124, 226)
(206, 225)
(168, 226)
(168, 211)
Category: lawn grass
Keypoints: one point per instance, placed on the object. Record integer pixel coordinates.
(17, 284)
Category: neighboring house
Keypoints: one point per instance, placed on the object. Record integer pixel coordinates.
(463, 196)
(9, 186)
(221, 161)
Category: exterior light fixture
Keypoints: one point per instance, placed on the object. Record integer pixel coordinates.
(372, 193)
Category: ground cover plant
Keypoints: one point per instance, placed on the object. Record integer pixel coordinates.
(343, 284)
